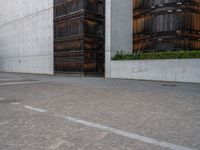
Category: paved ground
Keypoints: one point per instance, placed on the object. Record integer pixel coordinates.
(67, 113)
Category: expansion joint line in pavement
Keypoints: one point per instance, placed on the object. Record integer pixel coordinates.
(111, 130)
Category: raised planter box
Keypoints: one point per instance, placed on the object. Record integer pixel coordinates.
(177, 70)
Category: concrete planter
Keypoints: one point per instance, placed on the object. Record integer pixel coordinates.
(177, 70)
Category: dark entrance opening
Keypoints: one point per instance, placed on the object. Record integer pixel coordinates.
(79, 27)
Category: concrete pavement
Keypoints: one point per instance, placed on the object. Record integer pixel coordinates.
(57, 112)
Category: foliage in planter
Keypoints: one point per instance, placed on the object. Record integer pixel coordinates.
(157, 55)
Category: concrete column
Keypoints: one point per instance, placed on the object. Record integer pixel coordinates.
(119, 30)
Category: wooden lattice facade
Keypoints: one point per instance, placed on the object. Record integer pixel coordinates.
(166, 25)
(79, 36)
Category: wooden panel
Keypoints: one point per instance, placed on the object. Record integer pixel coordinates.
(79, 36)
(166, 25)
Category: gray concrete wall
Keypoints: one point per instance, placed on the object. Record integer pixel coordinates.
(119, 29)
(178, 70)
(26, 36)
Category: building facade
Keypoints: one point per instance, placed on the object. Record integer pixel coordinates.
(166, 25)
(81, 36)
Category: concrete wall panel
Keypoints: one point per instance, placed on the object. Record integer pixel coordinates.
(119, 29)
(26, 36)
(13, 10)
(38, 64)
(178, 70)
(121, 26)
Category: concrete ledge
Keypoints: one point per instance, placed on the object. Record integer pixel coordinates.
(176, 70)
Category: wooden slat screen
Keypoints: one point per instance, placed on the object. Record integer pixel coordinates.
(79, 36)
(166, 25)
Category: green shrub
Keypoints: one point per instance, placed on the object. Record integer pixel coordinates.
(157, 55)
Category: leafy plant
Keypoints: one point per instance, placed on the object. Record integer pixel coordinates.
(157, 55)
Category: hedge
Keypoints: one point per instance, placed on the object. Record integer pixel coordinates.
(157, 55)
